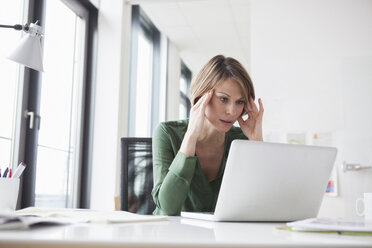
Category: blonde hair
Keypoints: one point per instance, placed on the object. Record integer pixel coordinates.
(217, 70)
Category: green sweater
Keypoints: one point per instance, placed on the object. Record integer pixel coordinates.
(179, 182)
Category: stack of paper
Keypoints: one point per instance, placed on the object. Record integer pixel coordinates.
(342, 226)
(28, 217)
(88, 215)
(9, 220)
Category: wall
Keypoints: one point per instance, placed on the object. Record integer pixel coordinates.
(173, 82)
(110, 100)
(311, 64)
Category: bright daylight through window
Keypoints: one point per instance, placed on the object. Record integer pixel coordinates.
(10, 14)
(58, 155)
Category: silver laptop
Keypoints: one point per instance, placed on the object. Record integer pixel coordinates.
(271, 182)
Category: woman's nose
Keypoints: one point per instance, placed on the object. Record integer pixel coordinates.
(231, 109)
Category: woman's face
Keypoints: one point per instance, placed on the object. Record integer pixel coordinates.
(226, 105)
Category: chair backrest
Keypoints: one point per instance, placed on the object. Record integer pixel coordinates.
(136, 175)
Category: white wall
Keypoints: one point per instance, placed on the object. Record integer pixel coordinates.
(110, 100)
(173, 82)
(311, 64)
(357, 109)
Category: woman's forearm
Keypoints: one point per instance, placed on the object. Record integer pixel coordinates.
(170, 193)
(188, 145)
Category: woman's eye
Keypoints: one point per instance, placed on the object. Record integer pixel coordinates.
(240, 102)
(223, 99)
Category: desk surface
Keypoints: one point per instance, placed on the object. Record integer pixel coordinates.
(177, 232)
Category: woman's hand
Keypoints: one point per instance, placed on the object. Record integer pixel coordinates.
(197, 114)
(196, 123)
(252, 127)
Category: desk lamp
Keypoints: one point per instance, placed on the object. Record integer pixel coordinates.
(28, 51)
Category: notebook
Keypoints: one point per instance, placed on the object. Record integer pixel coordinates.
(271, 182)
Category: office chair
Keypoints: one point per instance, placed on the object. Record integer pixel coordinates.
(136, 176)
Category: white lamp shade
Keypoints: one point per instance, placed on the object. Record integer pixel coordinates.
(28, 52)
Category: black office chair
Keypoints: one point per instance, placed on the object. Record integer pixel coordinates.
(136, 175)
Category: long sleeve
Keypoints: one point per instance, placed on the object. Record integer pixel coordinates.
(173, 173)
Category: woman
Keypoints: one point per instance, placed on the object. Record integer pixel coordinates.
(189, 156)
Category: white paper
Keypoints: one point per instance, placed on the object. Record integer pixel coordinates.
(10, 220)
(328, 224)
(88, 215)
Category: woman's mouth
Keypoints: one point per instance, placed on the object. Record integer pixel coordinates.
(227, 122)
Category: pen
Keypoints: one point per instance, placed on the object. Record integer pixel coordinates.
(18, 171)
(10, 172)
(6, 172)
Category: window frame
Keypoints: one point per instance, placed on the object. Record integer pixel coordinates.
(140, 21)
(29, 99)
(184, 98)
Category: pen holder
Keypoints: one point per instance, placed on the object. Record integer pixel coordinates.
(9, 188)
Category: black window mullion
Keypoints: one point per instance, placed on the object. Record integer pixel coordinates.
(136, 26)
(187, 75)
(155, 107)
(86, 162)
(36, 12)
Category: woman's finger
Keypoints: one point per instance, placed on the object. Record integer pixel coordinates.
(247, 106)
(241, 121)
(200, 101)
(253, 105)
(261, 110)
(207, 100)
(251, 108)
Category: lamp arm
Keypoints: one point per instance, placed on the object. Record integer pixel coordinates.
(16, 27)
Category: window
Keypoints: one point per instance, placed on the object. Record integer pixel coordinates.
(144, 84)
(144, 99)
(58, 147)
(10, 14)
(185, 81)
(60, 107)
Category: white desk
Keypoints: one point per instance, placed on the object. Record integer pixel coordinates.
(175, 233)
